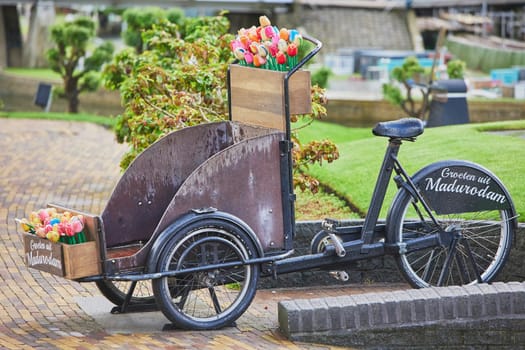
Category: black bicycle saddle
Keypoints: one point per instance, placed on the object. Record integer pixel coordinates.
(405, 128)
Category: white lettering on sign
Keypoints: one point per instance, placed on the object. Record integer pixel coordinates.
(34, 256)
(442, 185)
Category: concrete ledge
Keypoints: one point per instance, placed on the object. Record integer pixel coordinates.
(485, 315)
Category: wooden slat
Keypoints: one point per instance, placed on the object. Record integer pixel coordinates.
(80, 260)
(257, 96)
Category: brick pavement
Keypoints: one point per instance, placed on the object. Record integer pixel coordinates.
(76, 165)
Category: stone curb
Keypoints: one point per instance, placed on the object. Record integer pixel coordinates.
(341, 318)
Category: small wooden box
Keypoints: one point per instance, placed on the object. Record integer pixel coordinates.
(71, 261)
(64, 260)
(257, 96)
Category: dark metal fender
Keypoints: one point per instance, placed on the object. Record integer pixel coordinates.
(419, 177)
(188, 219)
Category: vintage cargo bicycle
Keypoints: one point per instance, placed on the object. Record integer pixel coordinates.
(206, 211)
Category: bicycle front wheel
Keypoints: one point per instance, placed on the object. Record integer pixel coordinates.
(469, 216)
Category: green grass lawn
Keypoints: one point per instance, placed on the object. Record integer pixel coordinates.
(79, 117)
(37, 73)
(354, 174)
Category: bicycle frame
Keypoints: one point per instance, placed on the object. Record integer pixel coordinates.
(367, 246)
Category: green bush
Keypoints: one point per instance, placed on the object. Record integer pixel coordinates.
(139, 19)
(456, 69)
(180, 81)
(320, 77)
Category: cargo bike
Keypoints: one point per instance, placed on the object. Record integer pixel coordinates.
(206, 211)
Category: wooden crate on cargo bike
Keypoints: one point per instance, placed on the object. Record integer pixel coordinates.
(71, 261)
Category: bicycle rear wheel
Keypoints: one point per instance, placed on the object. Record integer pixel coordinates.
(471, 222)
(115, 291)
(208, 299)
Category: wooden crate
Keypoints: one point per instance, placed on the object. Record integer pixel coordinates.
(71, 261)
(257, 96)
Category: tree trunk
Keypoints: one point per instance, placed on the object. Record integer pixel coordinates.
(71, 92)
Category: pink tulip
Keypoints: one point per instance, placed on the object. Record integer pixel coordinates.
(269, 32)
(41, 232)
(77, 225)
(43, 215)
(248, 57)
(273, 50)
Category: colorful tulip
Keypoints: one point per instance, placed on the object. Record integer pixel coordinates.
(255, 34)
(54, 226)
(53, 236)
(239, 53)
(43, 215)
(245, 41)
(76, 224)
(269, 32)
(266, 46)
(280, 57)
(41, 232)
(258, 61)
(292, 50)
(282, 45)
(273, 50)
(264, 21)
(262, 51)
(292, 34)
(248, 57)
(283, 34)
(254, 47)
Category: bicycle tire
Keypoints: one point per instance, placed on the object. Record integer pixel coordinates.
(115, 291)
(475, 218)
(208, 299)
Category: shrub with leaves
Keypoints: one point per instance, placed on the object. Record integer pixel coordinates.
(405, 75)
(180, 81)
(70, 59)
(456, 69)
(138, 19)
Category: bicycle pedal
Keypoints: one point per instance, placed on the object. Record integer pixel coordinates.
(330, 225)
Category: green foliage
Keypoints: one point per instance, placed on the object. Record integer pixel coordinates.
(180, 81)
(456, 69)
(175, 15)
(174, 84)
(405, 75)
(320, 77)
(71, 40)
(407, 70)
(139, 19)
(393, 94)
